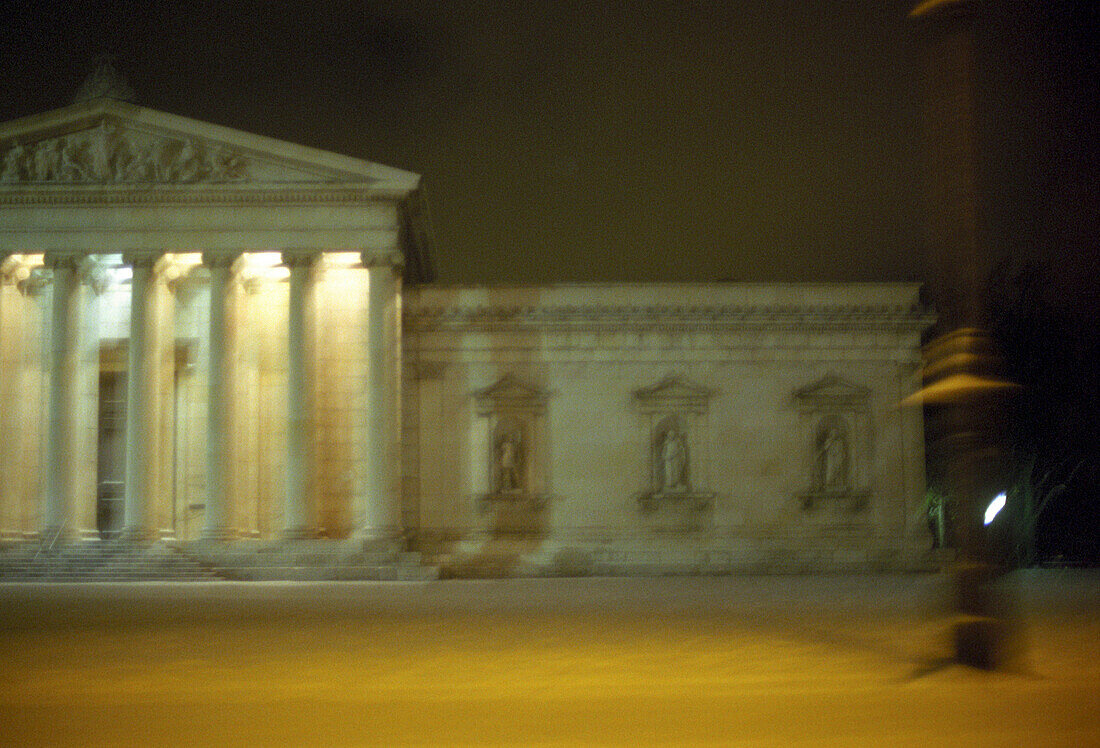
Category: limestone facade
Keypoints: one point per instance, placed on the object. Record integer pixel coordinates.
(652, 428)
(217, 338)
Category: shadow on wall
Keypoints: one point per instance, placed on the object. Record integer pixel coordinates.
(516, 527)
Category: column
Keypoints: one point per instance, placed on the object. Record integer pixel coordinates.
(62, 465)
(10, 396)
(378, 516)
(142, 397)
(298, 511)
(220, 421)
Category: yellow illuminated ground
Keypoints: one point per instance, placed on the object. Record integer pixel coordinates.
(749, 661)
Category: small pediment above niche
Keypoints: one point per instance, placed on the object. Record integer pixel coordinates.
(510, 394)
(673, 395)
(832, 393)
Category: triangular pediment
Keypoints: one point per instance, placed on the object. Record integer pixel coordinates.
(105, 142)
(673, 394)
(510, 393)
(832, 390)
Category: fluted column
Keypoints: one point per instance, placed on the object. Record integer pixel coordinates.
(298, 511)
(220, 422)
(62, 463)
(142, 394)
(10, 397)
(378, 516)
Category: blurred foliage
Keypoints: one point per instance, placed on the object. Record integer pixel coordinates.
(1051, 346)
(940, 517)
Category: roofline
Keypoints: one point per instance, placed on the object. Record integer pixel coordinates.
(85, 111)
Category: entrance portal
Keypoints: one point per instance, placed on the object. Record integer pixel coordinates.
(111, 463)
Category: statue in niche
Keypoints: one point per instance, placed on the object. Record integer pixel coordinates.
(508, 463)
(831, 449)
(672, 461)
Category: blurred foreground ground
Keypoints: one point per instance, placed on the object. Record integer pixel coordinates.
(742, 660)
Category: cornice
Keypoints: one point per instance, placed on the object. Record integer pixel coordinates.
(171, 195)
(913, 318)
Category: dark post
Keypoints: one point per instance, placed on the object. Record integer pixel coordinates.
(962, 394)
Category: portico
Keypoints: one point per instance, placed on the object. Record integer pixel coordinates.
(230, 268)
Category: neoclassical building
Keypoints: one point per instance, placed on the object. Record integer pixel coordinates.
(224, 340)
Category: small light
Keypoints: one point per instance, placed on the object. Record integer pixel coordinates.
(263, 259)
(187, 260)
(342, 259)
(121, 275)
(995, 507)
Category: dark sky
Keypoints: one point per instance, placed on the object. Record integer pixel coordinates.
(577, 141)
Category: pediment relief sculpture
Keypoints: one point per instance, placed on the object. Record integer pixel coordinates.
(109, 154)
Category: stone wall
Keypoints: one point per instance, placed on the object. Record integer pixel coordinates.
(665, 427)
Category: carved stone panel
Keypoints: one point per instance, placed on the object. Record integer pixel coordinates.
(836, 431)
(675, 445)
(109, 154)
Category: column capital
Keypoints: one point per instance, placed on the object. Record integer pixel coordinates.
(63, 259)
(300, 257)
(381, 258)
(220, 259)
(12, 268)
(146, 258)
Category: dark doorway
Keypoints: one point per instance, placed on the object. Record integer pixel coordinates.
(111, 467)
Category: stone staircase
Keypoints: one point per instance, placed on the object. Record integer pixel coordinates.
(99, 561)
(121, 561)
(309, 560)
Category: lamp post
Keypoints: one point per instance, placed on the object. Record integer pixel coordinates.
(962, 394)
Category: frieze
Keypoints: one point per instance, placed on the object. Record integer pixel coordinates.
(784, 317)
(107, 154)
(218, 194)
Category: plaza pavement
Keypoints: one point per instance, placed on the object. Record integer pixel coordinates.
(833, 660)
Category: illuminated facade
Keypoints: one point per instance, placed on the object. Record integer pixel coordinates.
(223, 340)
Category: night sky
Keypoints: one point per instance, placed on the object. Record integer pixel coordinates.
(759, 140)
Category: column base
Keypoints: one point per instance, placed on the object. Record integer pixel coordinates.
(54, 536)
(218, 534)
(298, 533)
(377, 540)
(136, 535)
